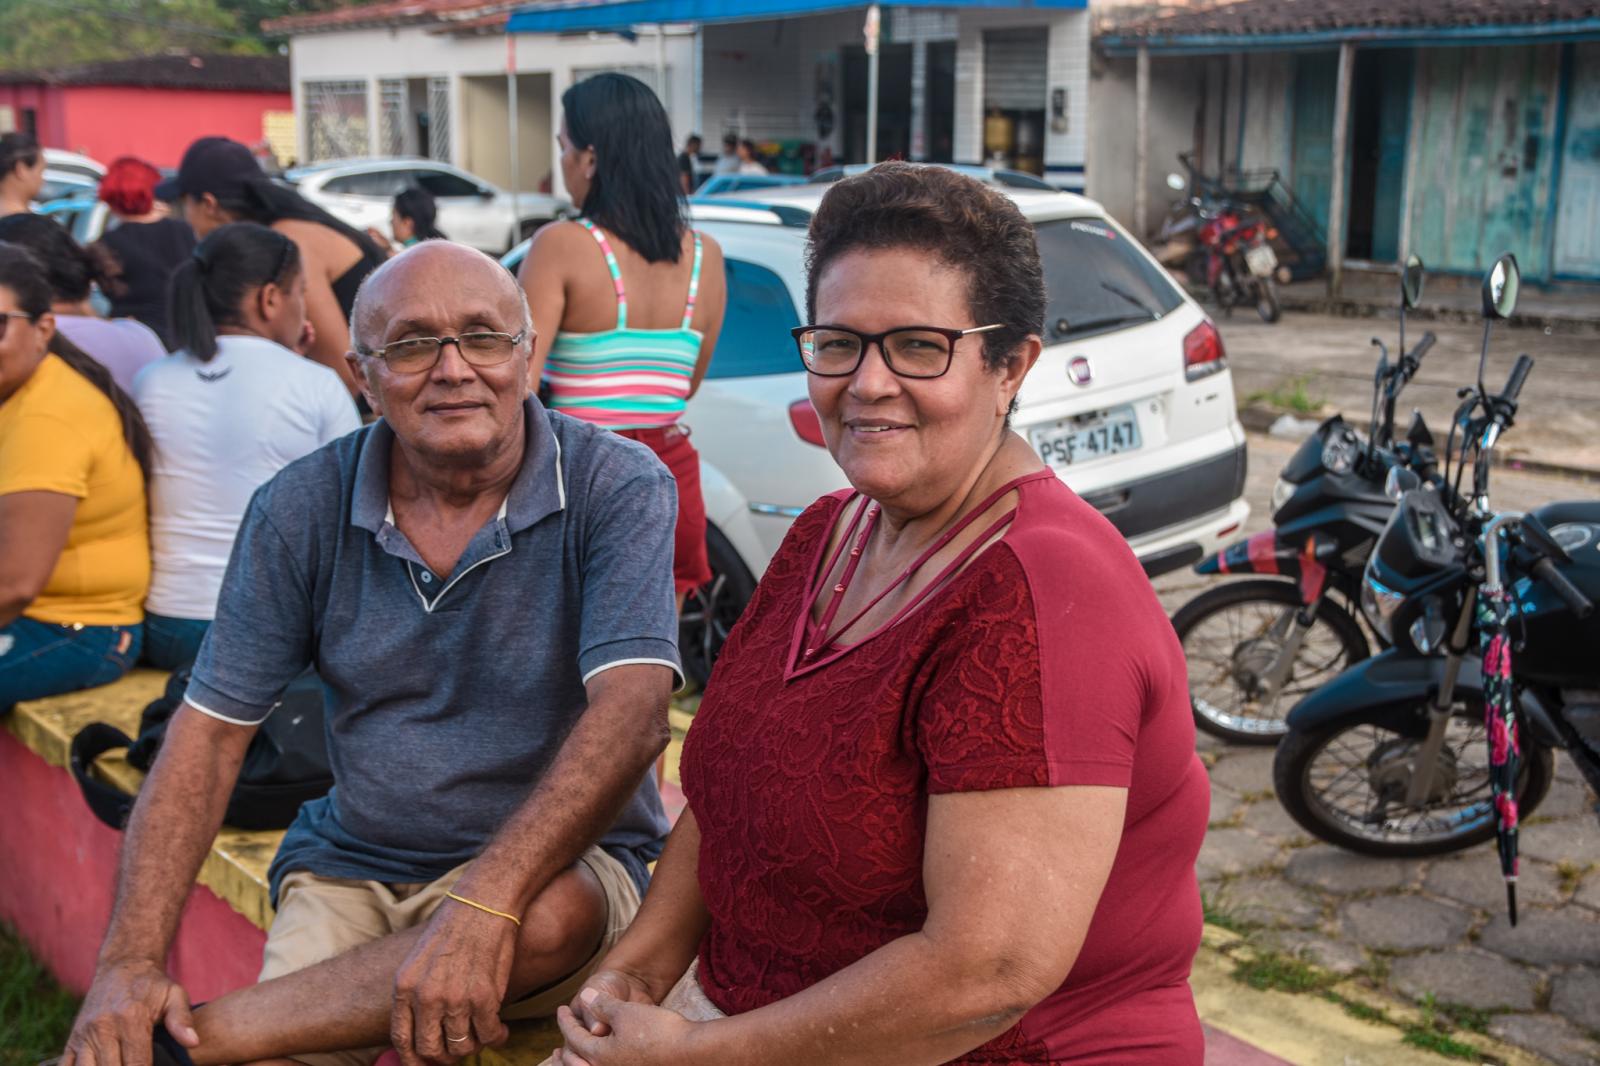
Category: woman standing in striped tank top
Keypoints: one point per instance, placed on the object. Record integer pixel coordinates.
(638, 295)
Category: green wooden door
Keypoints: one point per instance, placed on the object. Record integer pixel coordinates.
(1484, 156)
(1578, 225)
(1394, 117)
(1316, 77)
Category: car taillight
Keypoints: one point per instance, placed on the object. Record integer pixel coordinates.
(1202, 353)
(806, 423)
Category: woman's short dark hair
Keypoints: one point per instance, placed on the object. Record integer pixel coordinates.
(69, 268)
(418, 205)
(17, 148)
(207, 288)
(962, 222)
(24, 274)
(635, 194)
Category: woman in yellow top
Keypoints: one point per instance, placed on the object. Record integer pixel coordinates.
(74, 535)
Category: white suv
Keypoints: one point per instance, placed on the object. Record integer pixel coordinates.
(1131, 402)
(361, 192)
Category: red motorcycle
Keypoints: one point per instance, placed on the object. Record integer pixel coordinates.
(1239, 262)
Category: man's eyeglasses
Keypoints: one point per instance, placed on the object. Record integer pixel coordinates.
(7, 316)
(910, 351)
(416, 354)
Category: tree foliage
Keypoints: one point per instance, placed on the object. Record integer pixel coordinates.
(45, 34)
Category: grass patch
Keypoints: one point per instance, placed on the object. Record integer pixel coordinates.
(1221, 916)
(1283, 973)
(1569, 875)
(35, 1012)
(1440, 1043)
(1294, 395)
(1364, 1011)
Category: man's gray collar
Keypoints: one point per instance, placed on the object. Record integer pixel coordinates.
(538, 491)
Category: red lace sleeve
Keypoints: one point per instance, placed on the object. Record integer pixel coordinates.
(980, 715)
(1032, 687)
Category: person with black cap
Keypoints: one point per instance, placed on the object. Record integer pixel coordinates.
(219, 182)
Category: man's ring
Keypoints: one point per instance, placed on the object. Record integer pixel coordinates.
(458, 1039)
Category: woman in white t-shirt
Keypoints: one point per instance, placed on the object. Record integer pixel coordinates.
(229, 409)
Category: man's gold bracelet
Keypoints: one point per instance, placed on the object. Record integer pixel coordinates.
(512, 918)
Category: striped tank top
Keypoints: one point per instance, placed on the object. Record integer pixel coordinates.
(626, 378)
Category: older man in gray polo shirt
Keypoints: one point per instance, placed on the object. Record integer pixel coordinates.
(485, 587)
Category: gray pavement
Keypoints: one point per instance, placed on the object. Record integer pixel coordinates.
(1425, 930)
(1331, 358)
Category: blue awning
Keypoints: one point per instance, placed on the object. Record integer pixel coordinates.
(603, 15)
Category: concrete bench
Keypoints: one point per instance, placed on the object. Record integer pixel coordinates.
(60, 862)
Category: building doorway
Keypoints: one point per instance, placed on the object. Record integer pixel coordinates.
(894, 102)
(1380, 113)
(939, 102)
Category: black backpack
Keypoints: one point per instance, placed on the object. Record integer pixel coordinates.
(285, 765)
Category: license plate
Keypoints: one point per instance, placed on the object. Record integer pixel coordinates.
(1261, 260)
(1093, 436)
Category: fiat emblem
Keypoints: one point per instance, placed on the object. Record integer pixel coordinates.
(1079, 370)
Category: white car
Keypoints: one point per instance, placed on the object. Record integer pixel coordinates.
(1131, 402)
(361, 192)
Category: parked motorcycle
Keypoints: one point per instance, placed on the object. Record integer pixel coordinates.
(1256, 646)
(1396, 757)
(1221, 244)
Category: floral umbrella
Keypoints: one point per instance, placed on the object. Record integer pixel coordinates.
(1494, 609)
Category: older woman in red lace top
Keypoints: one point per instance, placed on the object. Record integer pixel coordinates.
(944, 804)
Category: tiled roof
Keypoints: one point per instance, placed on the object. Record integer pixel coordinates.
(391, 13)
(221, 72)
(1250, 18)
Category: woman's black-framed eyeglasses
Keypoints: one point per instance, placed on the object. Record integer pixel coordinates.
(7, 316)
(910, 351)
(416, 354)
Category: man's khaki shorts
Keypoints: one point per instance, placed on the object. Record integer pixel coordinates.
(320, 917)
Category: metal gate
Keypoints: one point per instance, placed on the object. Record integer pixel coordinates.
(336, 119)
(392, 95)
(439, 119)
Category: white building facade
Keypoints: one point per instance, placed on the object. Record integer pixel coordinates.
(1004, 86)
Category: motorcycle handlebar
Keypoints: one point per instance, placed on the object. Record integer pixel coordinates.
(1519, 375)
(1423, 346)
(1570, 594)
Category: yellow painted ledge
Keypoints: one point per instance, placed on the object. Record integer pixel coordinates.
(236, 868)
(1307, 1029)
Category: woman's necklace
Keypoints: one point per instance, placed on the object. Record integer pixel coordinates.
(819, 636)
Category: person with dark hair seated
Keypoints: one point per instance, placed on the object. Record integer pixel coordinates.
(233, 406)
(944, 803)
(140, 253)
(219, 181)
(74, 541)
(21, 172)
(124, 346)
(637, 294)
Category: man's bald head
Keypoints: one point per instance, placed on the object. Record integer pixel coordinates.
(428, 272)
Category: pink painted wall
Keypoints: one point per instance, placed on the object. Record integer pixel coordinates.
(158, 124)
(46, 102)
(57, 871)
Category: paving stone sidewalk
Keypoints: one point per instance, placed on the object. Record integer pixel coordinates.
(1424, 930)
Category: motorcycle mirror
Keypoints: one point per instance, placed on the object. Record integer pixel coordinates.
(1500, 287)
(1419, 434)
(1399, 481)
(1411, 281)
(1176, 183)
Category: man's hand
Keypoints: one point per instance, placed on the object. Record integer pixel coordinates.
(126, 1000)
(448, 993)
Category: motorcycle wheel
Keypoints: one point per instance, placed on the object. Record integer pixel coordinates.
(1344, 783)
(1267, 301)
(1226, 636)
(710, 611)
